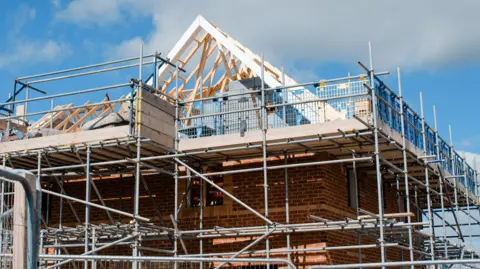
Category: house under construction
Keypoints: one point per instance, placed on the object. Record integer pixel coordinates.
(211, 157)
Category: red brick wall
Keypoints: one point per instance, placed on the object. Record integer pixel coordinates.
(313, 190)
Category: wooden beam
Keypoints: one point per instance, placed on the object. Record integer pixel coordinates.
(192, 74)
(201, 68)
(71, 116)
(199, 79)
(224, 60)
(232, 60)
(84, 118)
(184, 62)
(45, 120)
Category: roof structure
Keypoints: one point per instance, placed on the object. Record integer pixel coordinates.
(214, 59)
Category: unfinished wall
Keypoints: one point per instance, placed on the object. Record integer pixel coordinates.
(156, 119)
(313, 190)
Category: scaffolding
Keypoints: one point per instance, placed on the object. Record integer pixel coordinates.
(372, 129)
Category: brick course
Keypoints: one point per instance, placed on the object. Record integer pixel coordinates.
(313, 190)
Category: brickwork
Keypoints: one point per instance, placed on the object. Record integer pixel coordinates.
(313, 190)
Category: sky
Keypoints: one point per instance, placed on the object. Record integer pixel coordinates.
(434, 42)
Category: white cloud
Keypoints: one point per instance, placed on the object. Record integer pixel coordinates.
(466, 143)
(55, 3)
(413, 34)
(33, 52)
(104, 12)
(125, 49)
(90, 11)
(23, 15)
(27, 51)
(471, 158)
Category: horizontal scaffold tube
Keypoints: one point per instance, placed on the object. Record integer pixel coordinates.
(275, 105)
(83, 67)
(317, 229)
(248, 252)
(288, 142)
(79, 147)
(206, 150)
(282, 87)
(122, 161)
(88, 73)
(161, 259)
(68, 94)
(247, 170)
(396, 264)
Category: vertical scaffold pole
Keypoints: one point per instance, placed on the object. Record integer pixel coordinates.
(94, 242)
(136, 201)
(475, 177)
(454, 173)
(287, 206)
(357, 204)
(6, 132)
(27, 96)
(417, 205)
(467, 196)
(2, 204)
(87, 198)
(284, 96)
(285, 154)
(177, 140)
(60, 217)
(427, 182)
(454, 170)
(40, 247)
(405, 166)
(399, 206)
(377, 156)
(442, 205)
(264, 146)
(201, 218)
(57, 250)
(52, 113)
(38, 214)
(155, 68)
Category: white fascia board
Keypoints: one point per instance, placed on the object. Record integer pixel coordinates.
(182, 44)
(243, 57)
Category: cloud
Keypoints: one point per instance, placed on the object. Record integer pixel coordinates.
(90, 11)
(22, 49)
(104, 12)
(23, 15)
(413, 34)
(466, 143)
(55, 3)
(471, 158)
(125, 49)
(34, 52)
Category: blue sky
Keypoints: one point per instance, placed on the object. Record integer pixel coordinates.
(324, 42)
(41, 36)
(49, 35)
